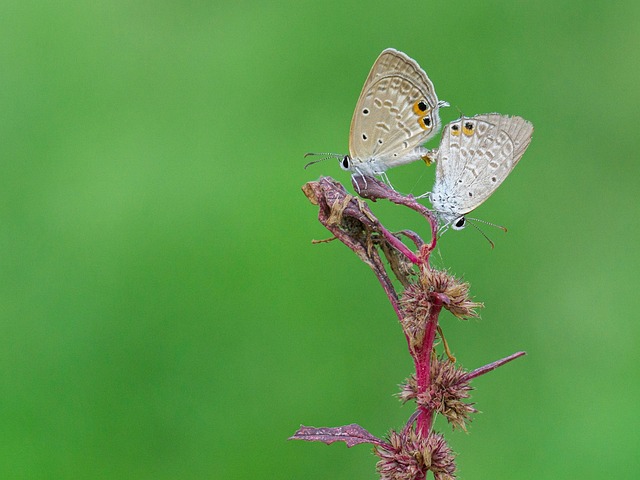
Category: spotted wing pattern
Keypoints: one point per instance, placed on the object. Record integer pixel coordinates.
(475, 156)
(396, 113)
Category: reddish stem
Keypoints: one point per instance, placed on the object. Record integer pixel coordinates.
(492, 366)
(398, 245)
(373, 189)
(328, 193)
(422, 360)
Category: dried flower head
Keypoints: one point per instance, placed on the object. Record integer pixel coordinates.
(416, 305)
(418, 299)
(447, 390)
(411, 457)
(455, 292)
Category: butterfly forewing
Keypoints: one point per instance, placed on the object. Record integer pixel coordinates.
(397, 111)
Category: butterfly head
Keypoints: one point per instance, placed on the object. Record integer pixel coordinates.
(459, 223)
(449, 220)
(346, 163)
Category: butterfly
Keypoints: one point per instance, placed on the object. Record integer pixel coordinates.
(474, 157)
(397, 112)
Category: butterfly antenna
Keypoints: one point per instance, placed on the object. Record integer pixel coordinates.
(327, 156)
(481, 232)
(504, 229)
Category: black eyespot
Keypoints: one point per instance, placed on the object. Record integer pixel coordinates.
(422, 106)
(470, 194)
(468, 126)
(493, 179)
(380, 141)
(460, 180)
(365, 111)
(427, 121)
(455, 128)
(364, 136)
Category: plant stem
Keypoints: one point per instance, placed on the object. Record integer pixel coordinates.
(492, 366)
(422, 358)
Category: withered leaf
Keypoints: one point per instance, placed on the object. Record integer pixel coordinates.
(352, 434)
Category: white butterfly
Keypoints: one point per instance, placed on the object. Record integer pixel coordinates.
(475, 156)
(396, 113)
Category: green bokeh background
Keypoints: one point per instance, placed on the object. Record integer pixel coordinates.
(163, 312)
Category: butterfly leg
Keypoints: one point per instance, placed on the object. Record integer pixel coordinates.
(442, 229)
(386, 180)
(358, 172)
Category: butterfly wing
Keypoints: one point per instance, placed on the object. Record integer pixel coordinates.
(397, 112)
(475, 156)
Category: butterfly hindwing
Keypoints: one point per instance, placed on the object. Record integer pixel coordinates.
(475, 156)
(396, 113)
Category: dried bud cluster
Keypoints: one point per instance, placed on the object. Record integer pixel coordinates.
(449, 387)
(455, 292)
(418, 298)
(416, 307)
(411, 457)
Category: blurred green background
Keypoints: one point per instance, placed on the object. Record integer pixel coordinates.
(163, 311)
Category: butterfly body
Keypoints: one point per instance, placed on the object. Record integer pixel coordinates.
(475, 156)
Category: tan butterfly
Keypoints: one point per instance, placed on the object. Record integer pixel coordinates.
(475, 156)
(396, 113)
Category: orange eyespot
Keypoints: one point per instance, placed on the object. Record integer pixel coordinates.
(421, 108)
(468, 128)
(455, 130)
(425, 122)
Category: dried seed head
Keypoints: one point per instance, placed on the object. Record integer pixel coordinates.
(418, 298)
(416, 306)
(408, 390)
(445, 395)
(411, 457)
(441, 458)
(456, 292)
